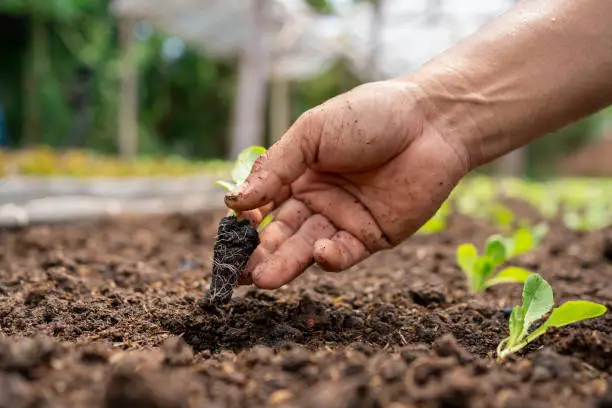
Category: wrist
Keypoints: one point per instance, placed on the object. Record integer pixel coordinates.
(485, 96)
(457, 112)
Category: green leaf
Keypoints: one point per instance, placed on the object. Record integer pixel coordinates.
(516, 323)
(539, 232)
(467, 254)
(482, 269)
(495, 250)
(511, 274)
(265, 222)
(502, 215)
(569, 312)
(244, 163)
(537, 300)
(466, 257)
(523, 241)
(225, 184)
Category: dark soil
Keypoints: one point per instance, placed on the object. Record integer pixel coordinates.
(107, 315)
(235, 242)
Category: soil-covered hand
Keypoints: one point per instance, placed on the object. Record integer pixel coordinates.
(353, 176)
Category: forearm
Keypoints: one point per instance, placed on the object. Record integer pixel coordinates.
(542, 65)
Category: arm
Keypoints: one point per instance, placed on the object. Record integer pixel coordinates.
(542, 65)
(366, 169)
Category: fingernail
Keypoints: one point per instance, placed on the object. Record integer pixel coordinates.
(233, 195)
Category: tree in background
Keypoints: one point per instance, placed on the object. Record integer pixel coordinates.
(60, 76)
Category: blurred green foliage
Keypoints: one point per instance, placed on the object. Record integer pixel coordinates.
(185, 104)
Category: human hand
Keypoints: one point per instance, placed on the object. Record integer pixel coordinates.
(353, 176)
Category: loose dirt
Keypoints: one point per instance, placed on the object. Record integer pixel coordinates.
(109, 315)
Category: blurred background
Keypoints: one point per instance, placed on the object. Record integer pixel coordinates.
(142, 87)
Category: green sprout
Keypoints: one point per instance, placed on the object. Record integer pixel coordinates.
(537, 301)
(479, 269)
(523, 240)
(265, 222)
(501, 215)
(242, 167)
(593, 216)
(241, 170)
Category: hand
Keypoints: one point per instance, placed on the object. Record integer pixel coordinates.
(353, 176)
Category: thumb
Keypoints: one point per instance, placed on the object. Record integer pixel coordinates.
(281, 165)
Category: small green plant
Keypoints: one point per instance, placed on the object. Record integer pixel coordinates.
(537, 301)
(595, 215)
(501, 215)
(479, 269)
(240, 171)
(242, 167)
(523, 240)
(236, 238)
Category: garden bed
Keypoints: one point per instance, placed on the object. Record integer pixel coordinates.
(107, 314)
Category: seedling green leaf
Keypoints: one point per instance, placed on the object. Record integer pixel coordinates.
(466, 256)
(516, 323)
(265, 222)
(244, 163)
(522, 242)
(479, 270)
(496, 250)
(511, 274)
(537, 301)
(225, 184)
(539, 231)
(502, 215)
(570, 312)
(242, 167)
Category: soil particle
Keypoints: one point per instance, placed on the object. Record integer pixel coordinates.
(177, 352)
(129, 388)
(17, 393)
(605, 401)
(427, 295)
(549, 365)
(412, 352)
(447, 346)
(295, 360)
(607, 250)
(106, 314)
(26, 356)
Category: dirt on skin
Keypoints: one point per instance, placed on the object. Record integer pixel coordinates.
(107, 315)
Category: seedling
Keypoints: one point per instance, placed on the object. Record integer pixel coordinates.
(437, 222)
(593, 216)
(537, 301)
(242, 167)
(480, 268)
(523, 240)
(236, 238)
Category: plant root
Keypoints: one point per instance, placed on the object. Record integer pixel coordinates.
(236, 241)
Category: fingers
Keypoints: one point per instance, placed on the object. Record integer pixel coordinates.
(294, 255)
(254, 217)
(288, 219)
(275, 170)
(340, 252)
(346, 211)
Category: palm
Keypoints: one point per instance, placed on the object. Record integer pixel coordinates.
(354, 176)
